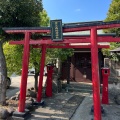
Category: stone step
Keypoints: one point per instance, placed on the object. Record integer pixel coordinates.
(78, 87)
(81, 87)
(79, 90)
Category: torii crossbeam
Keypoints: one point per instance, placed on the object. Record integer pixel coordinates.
(93, 43)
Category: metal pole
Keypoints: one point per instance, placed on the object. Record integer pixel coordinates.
(25, 64)
(42, 62)
(95, 75)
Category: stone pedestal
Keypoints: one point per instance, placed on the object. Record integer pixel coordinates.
(21, 115)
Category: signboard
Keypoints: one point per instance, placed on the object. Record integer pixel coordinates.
(56, 30)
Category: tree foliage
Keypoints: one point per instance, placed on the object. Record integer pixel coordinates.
(15, 13)
(16, 50)
(113, 14)
(13, 55)
(35, 54)
(44, 21)
(20, 13)
(39, 18)
(61, 54)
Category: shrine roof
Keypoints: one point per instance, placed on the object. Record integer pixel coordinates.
(68, 25)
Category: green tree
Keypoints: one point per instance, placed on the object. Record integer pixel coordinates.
(15, 13)
(16, 52)
(60, 54)
(35, 54)
(13, 55)
(44, 18)
(113, 14)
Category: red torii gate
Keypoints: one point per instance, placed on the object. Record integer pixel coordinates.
(44, 43)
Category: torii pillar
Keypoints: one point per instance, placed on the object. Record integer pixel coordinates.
(42, 63)
(25, 64)
(95, 74)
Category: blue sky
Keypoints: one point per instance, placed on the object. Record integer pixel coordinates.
(77, 10)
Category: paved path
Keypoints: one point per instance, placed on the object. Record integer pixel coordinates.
(112, 111)
(73, 106)
(59, 107)
(15, 84)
